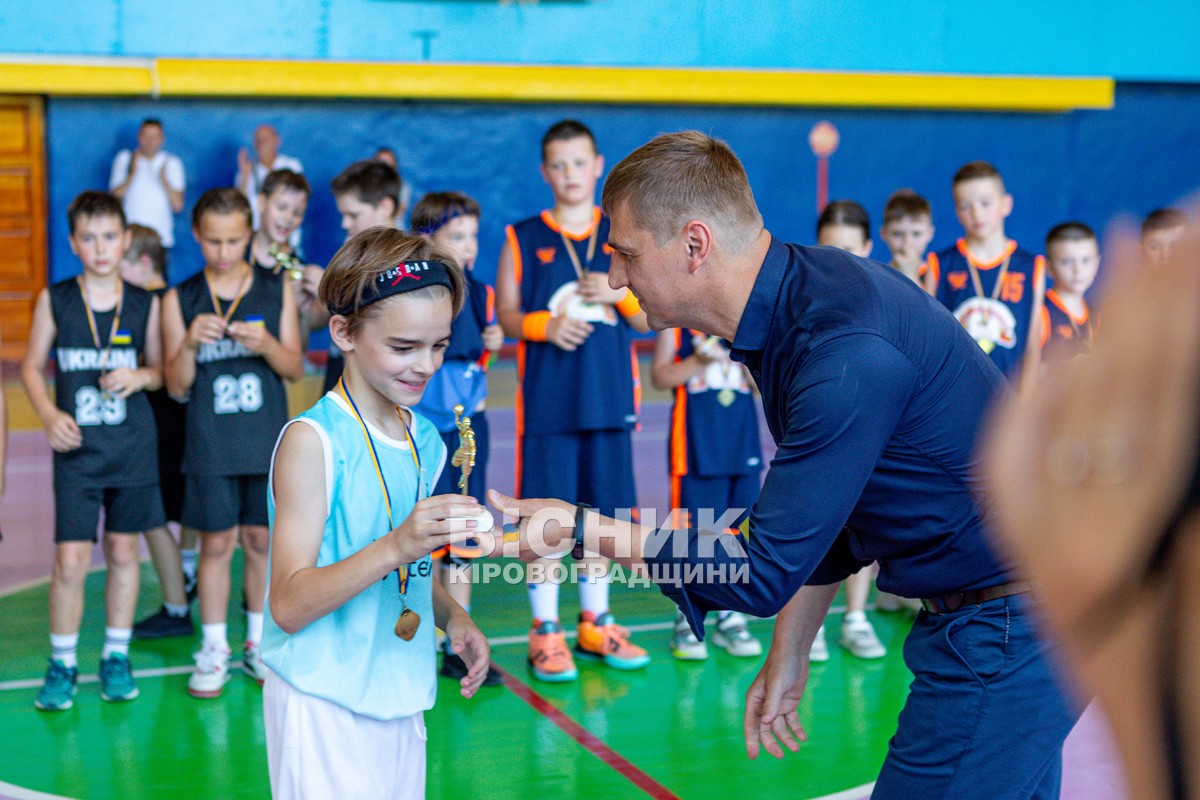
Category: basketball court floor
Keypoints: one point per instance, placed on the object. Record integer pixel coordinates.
(671, 730)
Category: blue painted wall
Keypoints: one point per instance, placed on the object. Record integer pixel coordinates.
(1126, 39)
(1087, 164)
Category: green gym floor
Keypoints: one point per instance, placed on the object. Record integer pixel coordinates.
(672, 729)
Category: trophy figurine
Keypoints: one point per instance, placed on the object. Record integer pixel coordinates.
(464, 459)
(286, 261)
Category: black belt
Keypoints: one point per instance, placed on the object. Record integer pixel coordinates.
(948, 603)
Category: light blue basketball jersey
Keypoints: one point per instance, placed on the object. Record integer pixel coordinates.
(352, 655)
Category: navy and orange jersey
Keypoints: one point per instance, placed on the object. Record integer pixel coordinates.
(999, 320)
(119, 443)
(462, 379)
(709, 438)
(238, 403)
(1063, 334)
(595, 386)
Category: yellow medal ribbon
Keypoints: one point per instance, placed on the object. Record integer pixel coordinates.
(91, 319)
(216, 301)
(406, 625)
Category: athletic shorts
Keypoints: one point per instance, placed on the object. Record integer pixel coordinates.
(214, 503)
(593, 467)
(127, 509)
(706, 499)
(318, 749)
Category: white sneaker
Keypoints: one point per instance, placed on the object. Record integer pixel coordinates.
(860, 639)
(733, 635)
(820, 650)
(252, 663)
(212, 671)
(684, 644)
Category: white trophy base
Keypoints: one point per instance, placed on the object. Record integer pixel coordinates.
(485, 521)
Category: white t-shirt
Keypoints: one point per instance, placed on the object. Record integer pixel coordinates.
(146, 201)
(259, 174)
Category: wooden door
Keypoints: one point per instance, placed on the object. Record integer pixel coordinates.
(22, 219)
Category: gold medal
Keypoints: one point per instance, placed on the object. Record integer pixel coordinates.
(407, 624)
(726, 397)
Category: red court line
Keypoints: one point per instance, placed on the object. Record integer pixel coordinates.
(586, 738)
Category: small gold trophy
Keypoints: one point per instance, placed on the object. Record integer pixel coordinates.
(464, 459)
(286, 261)
(464, 456)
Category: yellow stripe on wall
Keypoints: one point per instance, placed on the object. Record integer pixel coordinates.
(181, 77)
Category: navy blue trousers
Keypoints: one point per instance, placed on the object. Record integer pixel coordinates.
(986, 715)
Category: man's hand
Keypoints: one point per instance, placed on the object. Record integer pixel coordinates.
(772, 700)
(545, 528)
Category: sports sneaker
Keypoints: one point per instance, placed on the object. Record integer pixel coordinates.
(212, 671)
(860, 639)
(161, 625)
(549, 657)
(116, 679)
(684, 644)
(819, 652)
(602, 639)
(733, 635)
(454, 667)
(58, 689)
(252, 663)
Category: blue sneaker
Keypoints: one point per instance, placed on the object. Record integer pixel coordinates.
(116, 679)
(58, 691)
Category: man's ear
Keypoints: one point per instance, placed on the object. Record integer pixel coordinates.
(698, 240)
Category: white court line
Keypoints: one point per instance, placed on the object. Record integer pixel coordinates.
(21, 793)
(495, 641)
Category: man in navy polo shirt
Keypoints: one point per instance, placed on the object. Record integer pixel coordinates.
(875, 397)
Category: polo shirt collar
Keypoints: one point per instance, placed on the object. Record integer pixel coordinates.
(755, 325)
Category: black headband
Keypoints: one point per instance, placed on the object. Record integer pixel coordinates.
(407, 276)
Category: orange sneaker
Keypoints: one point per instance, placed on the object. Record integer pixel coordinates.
(549, 657)
(602, 639)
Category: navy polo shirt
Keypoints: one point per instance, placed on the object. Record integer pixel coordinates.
(875, 397)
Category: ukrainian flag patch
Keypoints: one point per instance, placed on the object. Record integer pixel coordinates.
(121, 337)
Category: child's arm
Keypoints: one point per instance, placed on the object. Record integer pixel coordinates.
(1031, 364)
(61, 429)
(565, 333)
(302, 592)
(283, 354)
(466, 640)
(181, 343)
(124, 381)
(665, 371)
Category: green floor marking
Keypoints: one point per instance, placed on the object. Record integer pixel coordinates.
(679, 722)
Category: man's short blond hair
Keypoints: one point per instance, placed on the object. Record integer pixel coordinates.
(678, 177)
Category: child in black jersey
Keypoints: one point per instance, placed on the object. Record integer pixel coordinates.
(104, 334)
(231, 336)
(144, 265)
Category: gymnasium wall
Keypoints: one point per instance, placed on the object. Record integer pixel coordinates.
(1082, 164)
(1128, 40)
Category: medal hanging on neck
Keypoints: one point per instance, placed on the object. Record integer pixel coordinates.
(409, 620)
(227, 314)
(91, 319)
(987, 344)
(581, 268)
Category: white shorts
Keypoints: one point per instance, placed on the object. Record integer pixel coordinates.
(318, 749)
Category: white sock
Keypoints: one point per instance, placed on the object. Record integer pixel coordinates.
(116, 640)
(176, 610)
(722, 616)
(593, 593)
(543, 599)
(189, 558)
(854, 618)
(254, 625)
(216, 634)
(63, 648)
